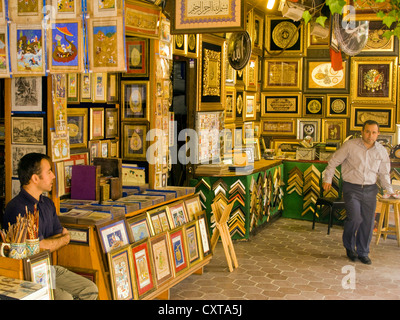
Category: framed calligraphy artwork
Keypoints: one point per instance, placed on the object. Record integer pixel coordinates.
(385, 116)
(281, 127)
(142, 19)
(280, 104)
(337, 105)
(314, 106)
(333, 129)
(282, 74)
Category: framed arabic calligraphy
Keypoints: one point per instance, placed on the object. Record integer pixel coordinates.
(280, 104)
(134, 145)
(374, 80)
(282, 74)
(137, 55)
(208, 17)
(385, 116)
(135, 100)
(337, 105)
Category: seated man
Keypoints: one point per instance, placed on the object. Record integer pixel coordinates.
(36, 176)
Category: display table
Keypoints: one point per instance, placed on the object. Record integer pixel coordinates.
(257, 195)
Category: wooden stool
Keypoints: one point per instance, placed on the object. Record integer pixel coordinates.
(385, 230)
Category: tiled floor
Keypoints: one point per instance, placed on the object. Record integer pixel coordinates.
(287, 260)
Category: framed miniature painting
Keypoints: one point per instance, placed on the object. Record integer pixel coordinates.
(113, 234)
(137, 57)
(193, 206)
(96, 123)
(66, 9)
(158, 219)
(73, 88)
(106, 44)
(374, 80)
(136, 13)
(27, 130)
(134, 141)
(204, 234)
(99, 87)
(111, 123)
(281, 104)
(4, 52)
(66, 46)
(333, 129)
(139, 227)
(26, 11)
(161, 259)
(230, 104)
(122, 279)
(177, 214)
(86, 87)
(178, 249)
(249, 106)
(179, 44)
(135, 100)
(282, 74)
(77, 122)
(106, 8)
(192, 243)
(143, 267)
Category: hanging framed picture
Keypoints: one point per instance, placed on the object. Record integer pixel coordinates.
(281, 104)
(137, 57)
(134, 145)
(86, 87)
(314, 105)
(99, 87)
(179, 44)
(29, 12)
(230, 104)
(250, 108)
(77, 122)
(105, 8)
(161, 259)
(111, 123)
(282, 74)
(66, 46)
(106, 44)
(26, 94)
(135, 100)
(278, 127)
(66, 9)
(4, 48)
(251, 74)
(229, 136)
(112, 88)
(178, 249)
(27, 130)
(142, 19)
(192, 49)
(143, 266)
(378, 44)
(374, 80)
(73, 87)
(96, 123)
(333, 129)
(309, 128)
(337, 105)
(385, 116)
(19, 150)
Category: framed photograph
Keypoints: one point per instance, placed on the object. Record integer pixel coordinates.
(278, 127)
(66, 46)
(333, 129)
(280, 104)
(86, 87)
(77, 122)
(337, 105)
(135, 100)
(112, 88)
(250, 108)
(309, 129)
(134, 144)
(111, 123)
(283, 36)
(106, 49)
(282, 74)
(139, 227)
(177, 214)
(374, 80)
(230, 104)
(211, 73)
(189, 18)
(99, 87)
(313, 106)
(96, 123)
(113, 234)
(178, 249)
(161, 259)
(27, 130)
(19, 150)
(192, 242)
(193, 206)
(321, 78)
(26, 94)
(121, 274)
(385, 116)
(37, 268)
(143, 268)
(204, 234)
(158, 219)
(142, 19)
(73, 88)
(137, 57)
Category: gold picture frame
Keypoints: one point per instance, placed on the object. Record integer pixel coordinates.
(230, 104)
(135, 100)
(385, 116)
(337, 105)
(282, 74)
(134, 144)
(96, 123)
(333, 130)
(251, 74)
(250, 107)
(281, 104)
(314, 105)
(278, 127)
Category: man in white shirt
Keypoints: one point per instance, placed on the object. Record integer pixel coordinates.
(363, 161)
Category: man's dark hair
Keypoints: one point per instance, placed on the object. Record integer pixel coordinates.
(30, 165)
(370, 122)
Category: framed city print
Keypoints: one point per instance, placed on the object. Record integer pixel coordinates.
(137, 57)
(26, 94)
(113, 234)
(19, 150)
(77, 122)
(309, 129)
(283, 36)
(73, 87)
(96, 123)
(374, 80)
(278, 127)
(161, 258)
(211, 73)
(142, 265)
(111, 123)
(192, 243)
(136, 13)
(281, 104)
(249, 106)
(282, 74)
(230, 104)
(26, 130)
(177, 214)
(313, 105)
(337, 105)
(158, 220)
(134, 145)
(86, 87)
(192, 43)
(321, 78)
(204, 234)
(66, 46)
(190, 18)
(139, 227)
(99, 87)
(193, 206)
(385, 116)
(121, 274)
(106, 48)
(333, 129)
(178, 249)
(135, 100)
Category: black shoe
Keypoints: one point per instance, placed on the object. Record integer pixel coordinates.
(365, 260)
(351, 254)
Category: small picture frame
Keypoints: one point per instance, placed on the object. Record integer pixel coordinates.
(111, 123)
(73, 87)
(192, 43)
(77, 122)
(177, 214)
(178, 249)
(96, 123)
(26, 94)
(314, 106)
(309, 129)
(250, 108)
(27, 130)
(337, 105)
(204, 233)
(135, 100)
(282, 74)
(160, 253)
(112, 88)
(193, 207)
(333, 130)
(113, 234)
(143, 268)
(137, 55)
(158, 220)
(230, 104)
(86, 87)
(134, 144)
(192, 243)
(179, 46)
(280, 104)
(99, 87)
(139, 227)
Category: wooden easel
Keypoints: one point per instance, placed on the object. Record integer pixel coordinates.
(221, 215)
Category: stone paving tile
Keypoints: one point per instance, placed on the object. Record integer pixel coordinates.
(287, 260)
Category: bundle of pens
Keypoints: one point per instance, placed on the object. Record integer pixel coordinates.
(32, 223)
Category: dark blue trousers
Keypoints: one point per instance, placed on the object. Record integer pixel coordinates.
(360, 204)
